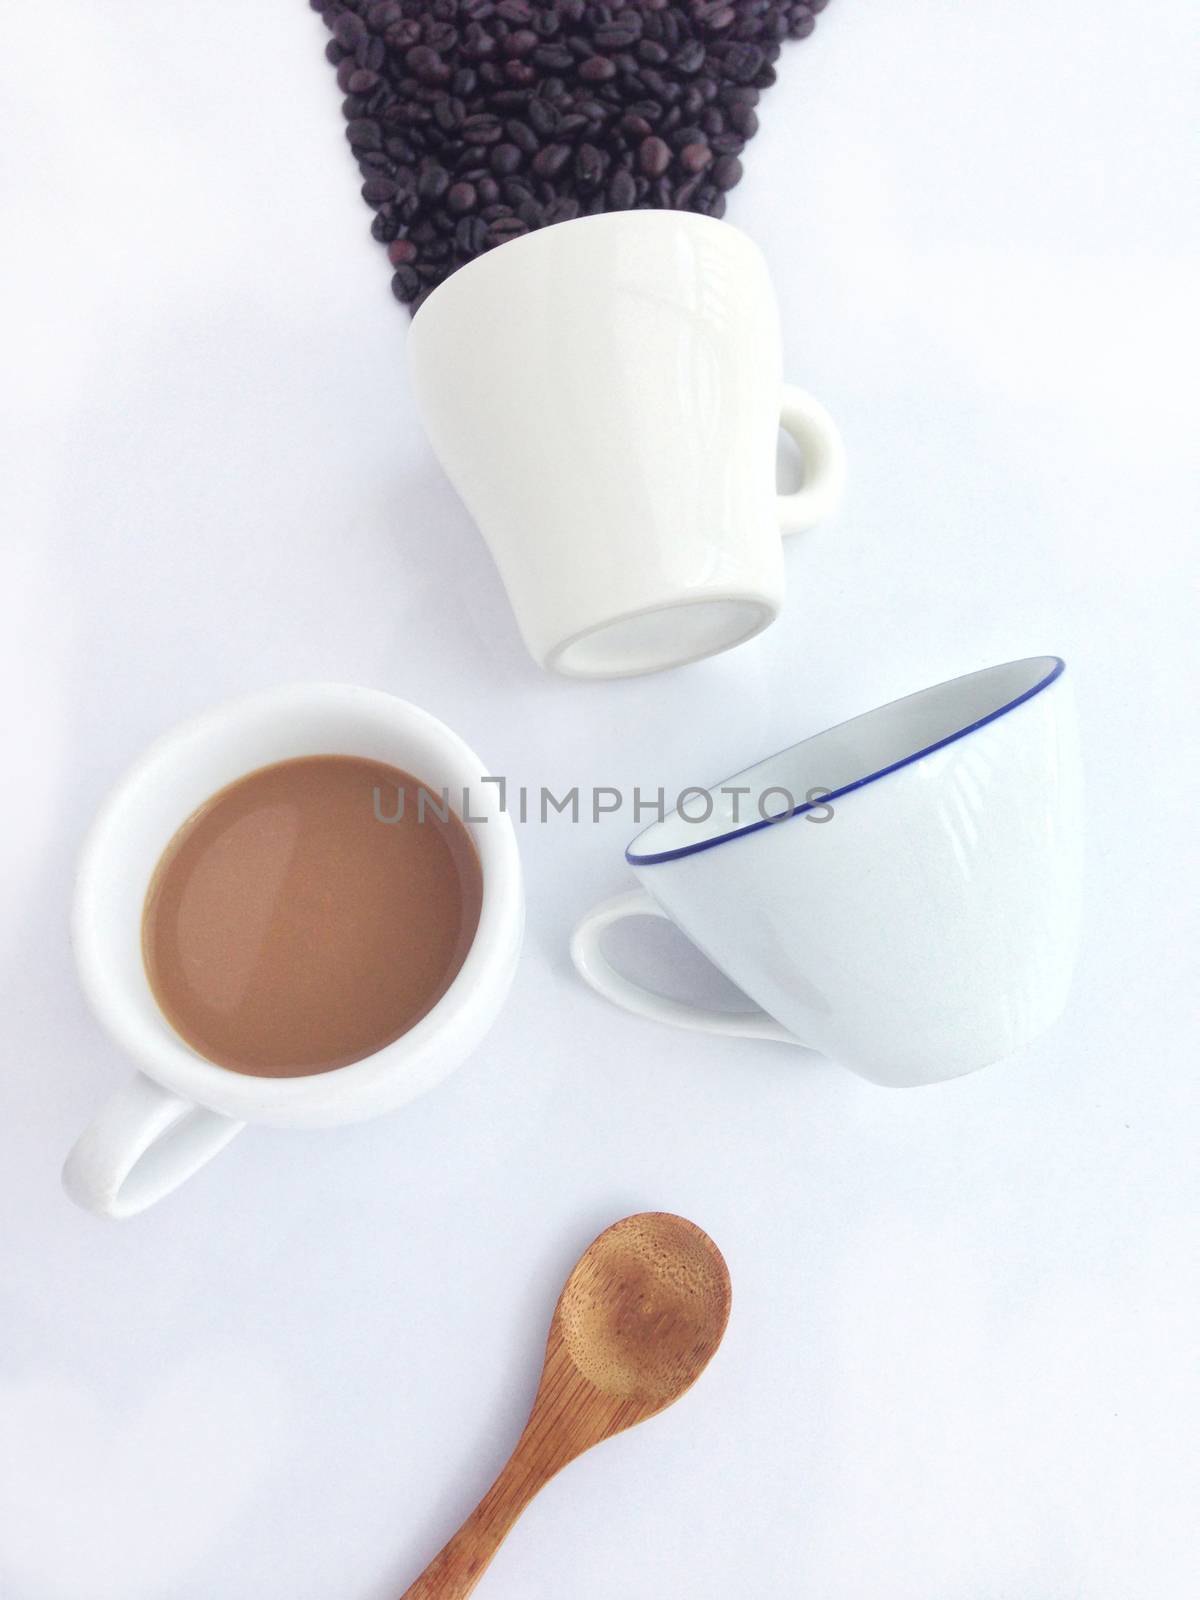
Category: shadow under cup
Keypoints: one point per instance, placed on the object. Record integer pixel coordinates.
(900, 892)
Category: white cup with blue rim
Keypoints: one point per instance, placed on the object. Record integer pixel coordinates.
(900, 893)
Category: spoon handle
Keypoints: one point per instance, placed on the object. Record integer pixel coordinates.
(462, 1561)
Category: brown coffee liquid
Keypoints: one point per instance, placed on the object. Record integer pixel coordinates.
(289, 930)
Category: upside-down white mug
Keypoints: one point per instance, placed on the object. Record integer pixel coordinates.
(900, 892)
(606, 396)
(179, 1109)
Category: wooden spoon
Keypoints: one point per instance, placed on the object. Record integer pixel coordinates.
(637, 1322)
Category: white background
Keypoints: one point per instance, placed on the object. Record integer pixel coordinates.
(961, 1358)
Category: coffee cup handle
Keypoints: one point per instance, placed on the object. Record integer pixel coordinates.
(596, 970)
(820, 444)
(142, 1146)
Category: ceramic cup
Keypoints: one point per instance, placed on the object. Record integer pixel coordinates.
(900, 893)
(606, 396)
(179, 1110)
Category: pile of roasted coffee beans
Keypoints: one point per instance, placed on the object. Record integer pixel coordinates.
(474, 121)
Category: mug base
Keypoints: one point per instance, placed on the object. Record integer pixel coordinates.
(660, 637)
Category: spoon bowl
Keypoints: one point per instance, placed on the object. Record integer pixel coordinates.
(644, 1310)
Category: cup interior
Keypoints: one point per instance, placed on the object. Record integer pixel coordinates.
(182, 771)
(844, 758)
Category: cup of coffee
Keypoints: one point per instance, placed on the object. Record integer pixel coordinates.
(606, 395)
(303, 908)
(900, 892)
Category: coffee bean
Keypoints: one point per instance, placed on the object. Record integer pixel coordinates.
(653, 54)
(404, 33)
(364, 135)
(742, 62)
(426, 65)
(543, 118)
(376, 190)
(523, 136)
(598, 69)
(448, 112)
(461, 197)
(622, 190)
(371, 53)
(551, 160)
(565, 209)
(614, 36)
(689, 57)
(349, 30)
(505, 228)
(590, 165)
(726, 172)
(432, 181)
(482, 128)
(478, 43)
(801, 21)
(471, 235)
(654, 156)
(405, 283)
(475, 121)
(441, 36)
(505, 158)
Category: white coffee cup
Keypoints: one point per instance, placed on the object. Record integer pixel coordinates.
(910, 906)
(180, 1109)
(606, 396)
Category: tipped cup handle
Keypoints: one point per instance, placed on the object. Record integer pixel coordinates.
(596, 970)
(816, 434)
(142, 1146)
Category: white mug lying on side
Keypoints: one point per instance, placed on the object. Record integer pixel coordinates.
(900, 892)
(606, 395)
(179, 1109)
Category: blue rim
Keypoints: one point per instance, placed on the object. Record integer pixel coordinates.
(859, 783)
